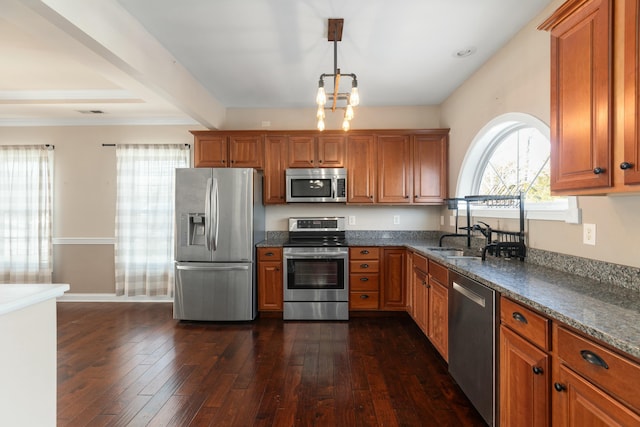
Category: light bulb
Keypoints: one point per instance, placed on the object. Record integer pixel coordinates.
(354, 99)
(320, 125)
(321, 97)
(345, 125)
(320, 113)
(349, 113)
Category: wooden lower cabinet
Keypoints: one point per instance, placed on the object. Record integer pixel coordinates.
(420, 292)
(393, 287)
(438, 323)
(270, 280)
(364, 278)
(525, 379)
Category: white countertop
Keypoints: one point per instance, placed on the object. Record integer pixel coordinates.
(15, 297)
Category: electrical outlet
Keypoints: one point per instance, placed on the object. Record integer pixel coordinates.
(352, 220)
(452, 221)
(589, 234)
(441, 219)
(396, 219)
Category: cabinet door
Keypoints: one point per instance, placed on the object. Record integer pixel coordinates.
(394, 169)
(430, 169)
(631, 160)
(361, 169)
(246, 151)
(275, 163)
(393, 283)
(270, 292)
(331, 151)
(210, 151)
(439, 317)
(302, 152)
(420, 299)
(579, 403)
(524, 382)
(581, 96)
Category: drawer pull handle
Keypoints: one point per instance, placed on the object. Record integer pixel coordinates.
(364, 265)
(364, 252)
(364, 279)
(519, 317)
(537, 370)
(594, 359)
(364, 296)
(559, 387)
(268, 254)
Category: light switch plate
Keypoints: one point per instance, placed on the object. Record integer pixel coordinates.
(396, 219)
(352, 220)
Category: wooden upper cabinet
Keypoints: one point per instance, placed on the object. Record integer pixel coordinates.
(581, 95)
(361, 169)
(275, 163)
(326, 151)
(430, 168)
(394, 169)
(331, 151)
(302, 152)
(215, 149)
(210, 151)
(630, 163)
(246, 151)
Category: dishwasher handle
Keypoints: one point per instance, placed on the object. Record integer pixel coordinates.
(480, 300)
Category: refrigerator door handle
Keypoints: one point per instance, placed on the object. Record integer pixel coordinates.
(215, 205)
(207, 215)
(212, 268)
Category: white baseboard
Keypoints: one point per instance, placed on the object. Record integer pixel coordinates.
(111, 298)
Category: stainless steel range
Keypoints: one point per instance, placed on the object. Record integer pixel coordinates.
(316, 270)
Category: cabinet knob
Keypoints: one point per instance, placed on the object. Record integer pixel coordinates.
(277, 268)
(537, 370)
(598, 171)
(371, 197)
(626, 165)
(364, 265)
(559, 387)
(406, 197)
(424, 283)
(319, 161)
(364, 296)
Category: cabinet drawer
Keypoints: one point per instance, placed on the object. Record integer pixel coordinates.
(439, 273)
(363, 300)
(610, 371)
(364, 253)
(420, 262)
(269, 254)
(524, 321)
(364, 282)
(364, 266)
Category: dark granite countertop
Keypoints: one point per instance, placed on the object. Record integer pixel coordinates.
(604, 311)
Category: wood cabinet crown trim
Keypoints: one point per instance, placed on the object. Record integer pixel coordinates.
(561, 14)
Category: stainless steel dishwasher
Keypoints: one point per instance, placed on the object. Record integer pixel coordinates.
(472, 342)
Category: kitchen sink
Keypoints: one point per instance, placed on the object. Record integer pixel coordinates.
(455, 253)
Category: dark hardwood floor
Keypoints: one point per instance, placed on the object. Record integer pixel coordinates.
(131, 364)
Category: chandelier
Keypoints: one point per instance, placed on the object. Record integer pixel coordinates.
(336, 100)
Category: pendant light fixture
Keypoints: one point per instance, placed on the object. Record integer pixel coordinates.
(337, 100)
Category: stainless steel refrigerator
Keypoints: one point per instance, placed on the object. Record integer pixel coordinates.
(219, 219)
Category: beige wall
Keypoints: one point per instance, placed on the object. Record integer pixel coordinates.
(517, 79)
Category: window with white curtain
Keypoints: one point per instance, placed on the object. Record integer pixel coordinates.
(144, 217)
(25, 214)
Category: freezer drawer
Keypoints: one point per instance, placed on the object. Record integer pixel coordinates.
(214, 292)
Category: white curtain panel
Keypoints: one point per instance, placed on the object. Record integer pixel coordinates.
(25, 214)
(144, 217)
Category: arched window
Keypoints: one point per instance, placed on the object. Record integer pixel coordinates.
(510, 155)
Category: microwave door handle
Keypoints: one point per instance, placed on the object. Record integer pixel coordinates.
(207, 215)
(334, 188)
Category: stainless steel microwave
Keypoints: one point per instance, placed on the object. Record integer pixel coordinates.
(321, 185)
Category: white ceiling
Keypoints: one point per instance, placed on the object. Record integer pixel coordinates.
(168, 61)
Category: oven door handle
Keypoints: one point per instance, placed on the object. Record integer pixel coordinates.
(309, 255)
